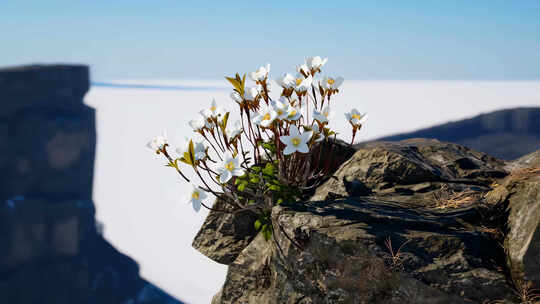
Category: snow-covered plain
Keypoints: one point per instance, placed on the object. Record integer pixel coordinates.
(141, 202)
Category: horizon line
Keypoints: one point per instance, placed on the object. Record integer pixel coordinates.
(218, 88)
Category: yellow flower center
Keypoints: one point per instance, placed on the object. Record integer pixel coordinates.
(330, 81)
(326, 114)
(295, 141)
(357, 116)
(213, 108)
(266, 116)
(298, 81)
(229, 166)
(293, 113)
(195, 195)
(279, 112)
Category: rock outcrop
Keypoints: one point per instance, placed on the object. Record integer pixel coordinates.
(507, 134)
(520, 194)
(52, 250)
(417, 221)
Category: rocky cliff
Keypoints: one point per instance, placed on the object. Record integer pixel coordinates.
(507, 134)
(52, 251)
(417, 221)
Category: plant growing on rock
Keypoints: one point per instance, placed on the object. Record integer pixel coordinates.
(278, 149)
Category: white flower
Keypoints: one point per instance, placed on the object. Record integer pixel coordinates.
(157, 143)
(315, 63)
(324, 115)
(195, 198)
(233, 131)
(236, 96)
(281, 107)
(287, 81)
(295, 141)
(265, 117)
(251, 93)
(355, 117)
(261, 74)
(213, 111)
(331, 83)
(316, 134)
(199, 149)
(229, 168)
(293, 113)
(199, 123)
(303, 84)
(303, 69)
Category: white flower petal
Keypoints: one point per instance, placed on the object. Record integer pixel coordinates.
(293, 131)
(225, 176)
(289, 149)
(237, 172)
(302, 148)
(285, 139)
(196, 205)
(306, 136)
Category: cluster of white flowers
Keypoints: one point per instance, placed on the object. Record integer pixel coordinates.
(228, 150)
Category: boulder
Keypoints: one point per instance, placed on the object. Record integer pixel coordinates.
(519, 194)
(338, 252)
(223, 236)
(418, 171)
(418, 221)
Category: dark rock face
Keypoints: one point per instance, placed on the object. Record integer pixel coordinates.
(47, 134)
(51, 249)
(507, 134)
(223, 236)
(432, 227)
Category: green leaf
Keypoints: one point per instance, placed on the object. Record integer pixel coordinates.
(268, 169)
(242, 186)
(173, 164)
(267, 231)
(257, 225)
(271, 147)
(223, 123)
(255, 180)
(236, 84)
(274, 188)
(186, 159)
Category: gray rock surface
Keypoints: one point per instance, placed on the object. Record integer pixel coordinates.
(223, 236)
(417, 221)
(519, 193)
(416, 170)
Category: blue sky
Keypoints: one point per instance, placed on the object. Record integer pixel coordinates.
(208, 39)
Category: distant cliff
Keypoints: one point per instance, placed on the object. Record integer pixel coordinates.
(507, 134)
(51, 250)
